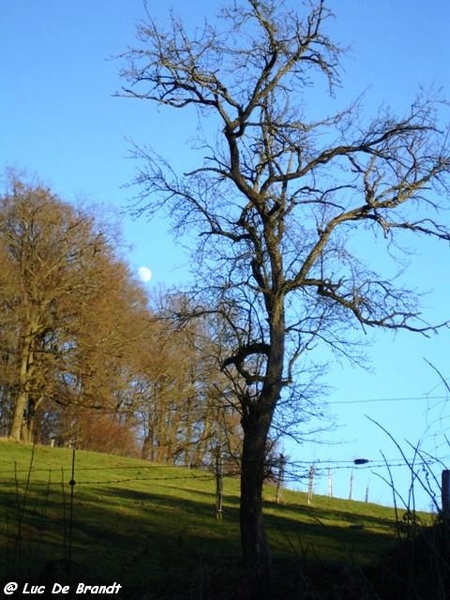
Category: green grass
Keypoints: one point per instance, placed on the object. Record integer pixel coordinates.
(134, 521)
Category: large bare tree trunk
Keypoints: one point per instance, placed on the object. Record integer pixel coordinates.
(256, 422)
(255, 547)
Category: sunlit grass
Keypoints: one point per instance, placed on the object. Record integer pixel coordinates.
(137, 521)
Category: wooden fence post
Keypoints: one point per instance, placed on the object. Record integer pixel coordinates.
(350, 491)
(280, 478)
(311, 485)
(330, 482)
(219, 485)
(445, 492)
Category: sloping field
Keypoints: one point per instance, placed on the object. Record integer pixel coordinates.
(153, 527)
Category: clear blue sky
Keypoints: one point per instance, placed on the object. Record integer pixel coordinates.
(60, 120)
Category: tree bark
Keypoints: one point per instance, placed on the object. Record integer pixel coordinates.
(19, 426)
(256, 423)
(255, 547)
(18, 417)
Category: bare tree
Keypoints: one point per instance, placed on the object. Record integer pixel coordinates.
(279, 201)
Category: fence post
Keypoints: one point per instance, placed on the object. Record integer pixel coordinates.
(350, 491)
(311, 485)
(445, 492)
(219, 485)
(330, 482)
(280, 478)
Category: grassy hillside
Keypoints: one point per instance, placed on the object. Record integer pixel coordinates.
(146, 525)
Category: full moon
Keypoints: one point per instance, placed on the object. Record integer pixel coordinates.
(144, 274)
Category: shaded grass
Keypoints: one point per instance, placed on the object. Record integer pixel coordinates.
(153, 527)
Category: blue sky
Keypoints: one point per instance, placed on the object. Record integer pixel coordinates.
(60, 120)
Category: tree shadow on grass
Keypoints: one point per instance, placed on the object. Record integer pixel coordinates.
(160, 542)
(323, 534)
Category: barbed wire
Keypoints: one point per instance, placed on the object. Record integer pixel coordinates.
(394, 399)
(14, 481)
(368, 464)
(294, 471)
(139, 467)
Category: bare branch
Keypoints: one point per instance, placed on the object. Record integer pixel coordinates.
(276, 200)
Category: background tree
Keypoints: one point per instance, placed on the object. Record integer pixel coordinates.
(85, 361)
(178, 401)
(282, 201)
(67, 301)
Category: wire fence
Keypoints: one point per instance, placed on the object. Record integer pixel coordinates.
(13, 479)
(296, 474)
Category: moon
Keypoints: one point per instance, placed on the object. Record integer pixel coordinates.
(144, 274)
